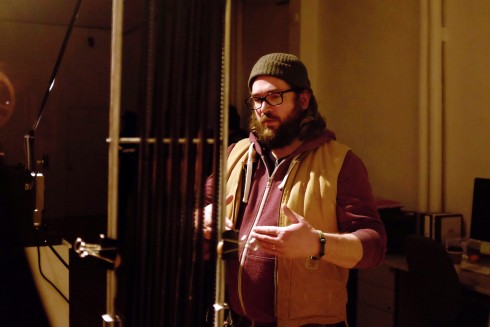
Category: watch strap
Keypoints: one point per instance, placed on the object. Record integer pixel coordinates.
(322, 246)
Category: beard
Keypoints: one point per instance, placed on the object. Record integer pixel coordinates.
(287, 132)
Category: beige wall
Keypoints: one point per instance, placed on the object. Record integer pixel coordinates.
(467, 128)
(363, 59)
(369, 70)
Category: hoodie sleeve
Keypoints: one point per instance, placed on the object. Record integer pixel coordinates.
(357, 212)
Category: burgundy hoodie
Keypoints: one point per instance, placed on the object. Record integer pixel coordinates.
(356, 213)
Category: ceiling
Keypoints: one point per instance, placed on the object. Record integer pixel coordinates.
(93, 13)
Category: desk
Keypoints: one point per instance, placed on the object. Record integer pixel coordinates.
(472, 281)
(384, 296)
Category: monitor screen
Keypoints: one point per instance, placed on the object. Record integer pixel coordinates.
(480, 217)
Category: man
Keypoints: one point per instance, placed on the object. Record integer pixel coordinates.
(302, 204)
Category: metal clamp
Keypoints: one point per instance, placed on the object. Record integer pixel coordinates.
(106, 250)
(109, 321)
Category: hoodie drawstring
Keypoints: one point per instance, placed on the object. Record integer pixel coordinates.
(291, 165)
(248, 176)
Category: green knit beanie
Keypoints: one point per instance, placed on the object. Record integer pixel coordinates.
(285, 66)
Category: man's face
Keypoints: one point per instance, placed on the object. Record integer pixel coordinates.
(276, 126)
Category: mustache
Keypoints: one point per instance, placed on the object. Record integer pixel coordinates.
(265, 117)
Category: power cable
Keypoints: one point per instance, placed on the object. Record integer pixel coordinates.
(45, 278)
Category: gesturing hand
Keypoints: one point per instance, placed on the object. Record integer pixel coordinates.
(208, 221)
(297, 240)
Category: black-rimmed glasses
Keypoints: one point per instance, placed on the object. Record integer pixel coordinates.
(273, 99)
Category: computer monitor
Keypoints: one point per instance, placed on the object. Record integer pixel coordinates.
(480, 216)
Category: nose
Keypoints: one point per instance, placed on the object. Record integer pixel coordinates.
(265, 108)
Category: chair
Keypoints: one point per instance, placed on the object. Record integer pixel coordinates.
(435, 283)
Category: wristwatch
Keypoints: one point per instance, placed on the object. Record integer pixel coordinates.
(322, 246)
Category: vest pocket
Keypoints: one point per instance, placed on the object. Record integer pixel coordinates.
(319, 292)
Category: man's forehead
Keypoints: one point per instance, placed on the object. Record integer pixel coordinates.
(265, 84)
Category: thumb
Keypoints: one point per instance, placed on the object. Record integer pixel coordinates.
(293, 217)
(229, 198)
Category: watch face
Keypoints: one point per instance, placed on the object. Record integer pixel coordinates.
(7, 99)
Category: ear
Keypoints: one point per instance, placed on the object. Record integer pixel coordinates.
(304, 99)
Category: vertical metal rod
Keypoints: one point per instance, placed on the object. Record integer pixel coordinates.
(220, 270)
(114, 130)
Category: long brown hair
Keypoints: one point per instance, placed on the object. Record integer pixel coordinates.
(313, 124)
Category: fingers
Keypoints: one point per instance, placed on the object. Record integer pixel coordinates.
(271, 246)
(207, 225)
(207, 233)
(266, 230)
(228, 224)
(263, 237)
(293, 217)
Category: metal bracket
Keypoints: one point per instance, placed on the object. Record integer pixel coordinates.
(109, 321)
(39, 210)
(106, 250)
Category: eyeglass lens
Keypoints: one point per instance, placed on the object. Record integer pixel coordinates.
(273, 99)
